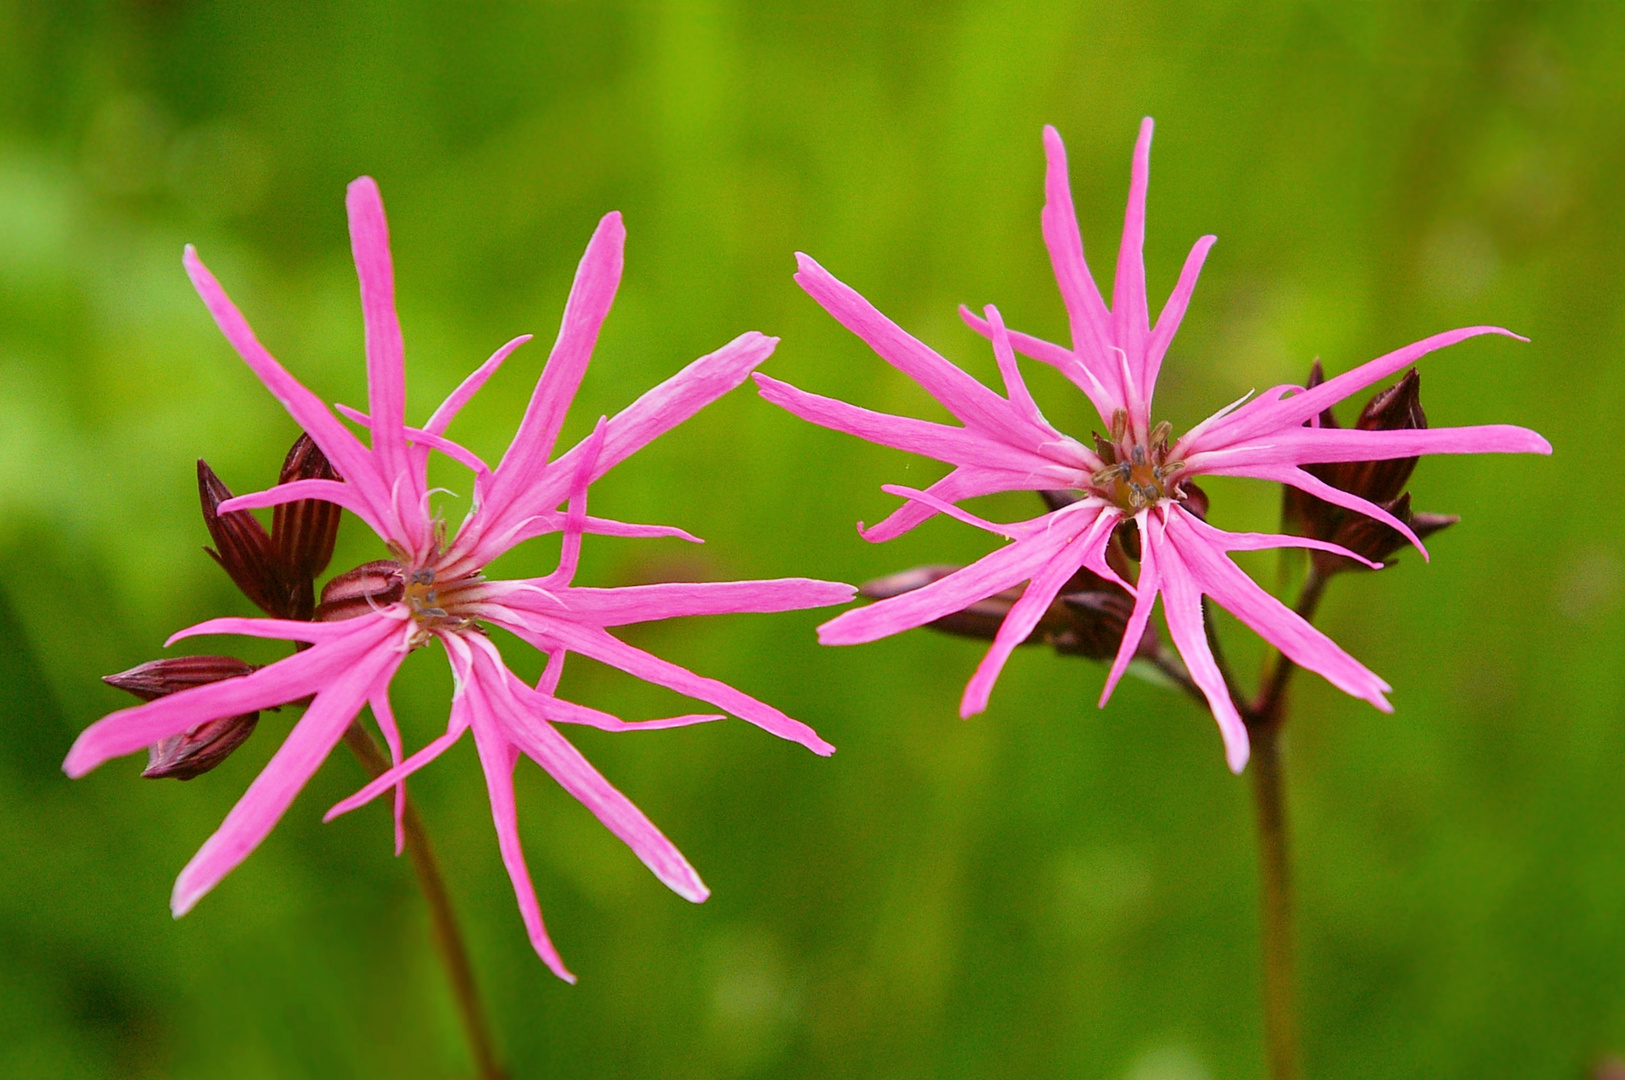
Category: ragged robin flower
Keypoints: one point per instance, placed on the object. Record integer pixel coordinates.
(1138, 474)
(433, 587)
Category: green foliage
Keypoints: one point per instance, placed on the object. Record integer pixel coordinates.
(1047, 890)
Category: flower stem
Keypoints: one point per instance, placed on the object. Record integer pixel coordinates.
(448, 939)
(1266, 717)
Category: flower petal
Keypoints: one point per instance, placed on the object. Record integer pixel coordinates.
(273, 790)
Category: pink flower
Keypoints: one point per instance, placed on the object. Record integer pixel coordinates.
(1005, 444)
(435, 591)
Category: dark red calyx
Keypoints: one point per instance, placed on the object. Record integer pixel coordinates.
(190, 753)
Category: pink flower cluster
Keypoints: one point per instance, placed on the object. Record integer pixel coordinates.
(444, 597)
(1137, 475)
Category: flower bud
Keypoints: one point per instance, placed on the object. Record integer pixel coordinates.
(196, 751)
(1375, 540)
(242, 547)
(303, 532)
(1398, 408)
(1087, 618)
(368, 587)
(276, 571)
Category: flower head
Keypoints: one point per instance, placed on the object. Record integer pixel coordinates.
(1139, 473)
(433, 589)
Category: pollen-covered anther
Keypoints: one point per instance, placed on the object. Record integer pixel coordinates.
(1138, 476)
(440, 606)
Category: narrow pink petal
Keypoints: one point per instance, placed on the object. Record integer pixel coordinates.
(600, 645)
(338, 492)
(386, 356)
(575, 517)
(552, 522)
(965, 482)
(288, 629)
(1010, 565)
(1013, 531)
(1305, 446)
(559, 711)
(1091, 323)
(517, 708)
(1131, 319)
(1307, 482)
(1173, 312)
(1145, 598)
(1296, 410)
(1014, 387)
(135, 728)
(459, 397)
(497, 759)
(597, 278)
(1017, 625)
(672, 600)
(426, 439)
(273, 790)
(385, 716)
(1182, 607)
(956, 445)
(968, 400)
(1215, 575)
(352, 460)
(549, 682)
(651, 415)
(1231, 541)
(1056, 356)
(397, 775)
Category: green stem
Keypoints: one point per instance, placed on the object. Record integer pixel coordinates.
(447, 938)
(1266, 717)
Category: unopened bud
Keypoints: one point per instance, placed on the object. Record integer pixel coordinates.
(242, 547)
(1376, 540)
(1398, 408)
(1087, 618)
(199, 749)
(276, 571)
(303, 532)
(368, 587)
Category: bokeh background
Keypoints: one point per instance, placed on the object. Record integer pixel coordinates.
(1047, 890)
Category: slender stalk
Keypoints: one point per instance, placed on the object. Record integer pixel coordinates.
(1266, 717)
(447, 938)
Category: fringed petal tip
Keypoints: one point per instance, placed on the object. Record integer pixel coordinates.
(184, 897)
(79, 761)
(1237, 751)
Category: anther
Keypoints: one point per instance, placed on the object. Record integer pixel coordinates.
(1119, 425)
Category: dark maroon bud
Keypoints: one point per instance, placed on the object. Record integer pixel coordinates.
(1398, 408)
(303, 532)
(1194, 498)
(368, 587)
(193, 752)
(1317, 375)
(1097, 620)
(1376, 540)
(242, 547)
(171, 675)
(1087, 618)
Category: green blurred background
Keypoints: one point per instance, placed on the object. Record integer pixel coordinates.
(1047, 890)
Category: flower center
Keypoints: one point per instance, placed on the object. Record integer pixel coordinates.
(435, 605)
(1135, 475)
(438, 605)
